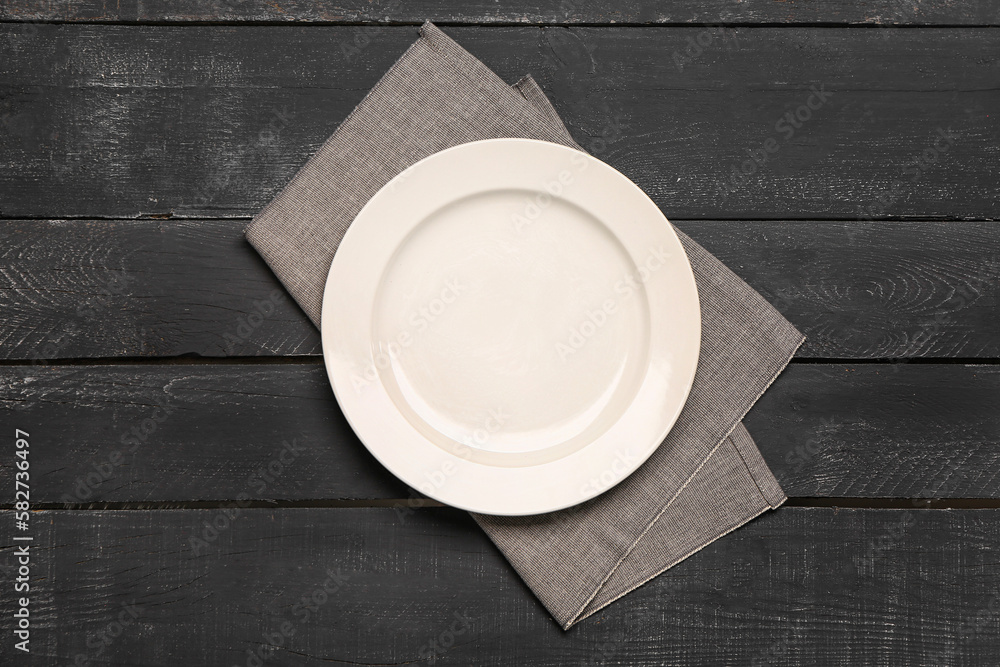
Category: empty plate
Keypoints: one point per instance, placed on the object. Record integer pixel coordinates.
(511, 326)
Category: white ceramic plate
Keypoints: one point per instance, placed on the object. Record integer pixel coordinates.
(511, 326)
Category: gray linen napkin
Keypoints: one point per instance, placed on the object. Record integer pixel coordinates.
(706, 479)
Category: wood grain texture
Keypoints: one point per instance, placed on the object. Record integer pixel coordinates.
(142, 288)
(127, 121)
(140, 132)
(165, 288)
(826, 430)
(871, 290)
(882, 430)
(795, 587)
(570, 12)
(179, 433)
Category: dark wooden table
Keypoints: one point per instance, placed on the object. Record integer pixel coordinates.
(198, 497)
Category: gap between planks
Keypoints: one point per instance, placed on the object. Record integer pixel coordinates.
(317, 360)
(421, 503)
(310, 23)
(240, 217)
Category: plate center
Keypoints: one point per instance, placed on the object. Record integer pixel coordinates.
(516, 327)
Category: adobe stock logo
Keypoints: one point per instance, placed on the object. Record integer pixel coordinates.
(418, 322)
(551, 190)
(787, 125)
(435, 479)
(622, 464)
(595, 319)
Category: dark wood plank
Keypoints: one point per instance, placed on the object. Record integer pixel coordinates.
(830, 430)
(570, 12)
(149, 288)
(872, 290)
(125, 121)
(165, 288)
(796, 587)
(188, 432)
(882, 430)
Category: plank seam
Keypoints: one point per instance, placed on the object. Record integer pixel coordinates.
(503, 24)
(914, 504)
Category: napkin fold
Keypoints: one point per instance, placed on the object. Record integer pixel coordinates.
(706, 479)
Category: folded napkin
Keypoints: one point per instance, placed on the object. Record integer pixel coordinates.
(706, 479)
